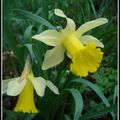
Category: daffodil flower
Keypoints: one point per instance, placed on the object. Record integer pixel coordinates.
(25, 89)
(82, 49)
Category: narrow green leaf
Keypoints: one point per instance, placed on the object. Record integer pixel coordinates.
(30, 50)
(88, 116)
(107, 32)
(35, 18)
(96, 89)
(56, 104)
(110, 43)
(28, 33)
(67, 117)
(93, 8)
(40, 29)
(78, 102)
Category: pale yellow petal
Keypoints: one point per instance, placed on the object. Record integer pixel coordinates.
(90, 25)
(59, 13)
(53, 57)
(49, 37)
(88, 38)
(15, 87)
(70, 27)
(52, 87)
(5, 84)
(39, 85)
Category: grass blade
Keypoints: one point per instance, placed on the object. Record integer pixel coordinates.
(96, 89)
(78, 102)
(30, 50)
(28, 33)
(35, 18)
(93, 8)
(88, 116)
(67, 117)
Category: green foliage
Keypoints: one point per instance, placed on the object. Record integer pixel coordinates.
(35, 18)
(77, 101)
(105, 78)
(10, 115)
(97, 90)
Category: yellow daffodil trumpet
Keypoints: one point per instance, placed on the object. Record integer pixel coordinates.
(24, 87)
(84, 50)
(25, 101)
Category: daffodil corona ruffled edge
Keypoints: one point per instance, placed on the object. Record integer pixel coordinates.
(77, 45)
(88, 60)
(25, 101)
(84, 58)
